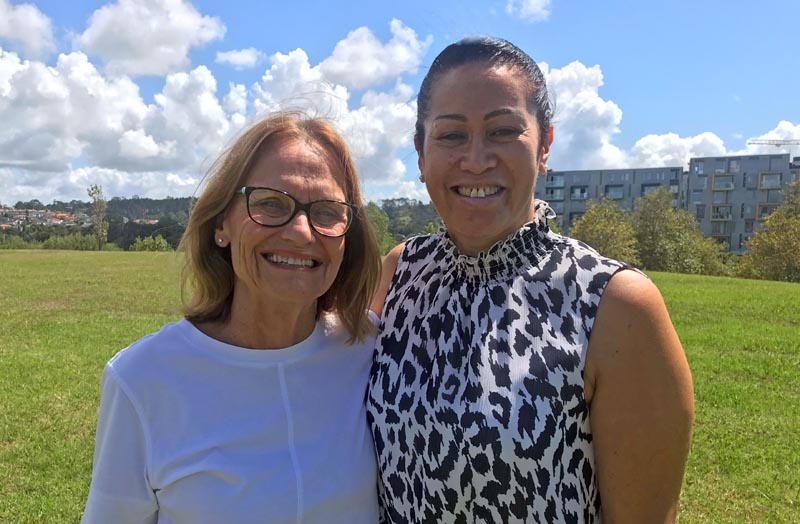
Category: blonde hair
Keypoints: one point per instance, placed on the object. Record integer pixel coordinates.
(207, 279)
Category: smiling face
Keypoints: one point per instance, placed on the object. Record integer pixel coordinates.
(481, 154)
(290, 265)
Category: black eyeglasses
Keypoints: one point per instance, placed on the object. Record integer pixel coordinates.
(273, 208)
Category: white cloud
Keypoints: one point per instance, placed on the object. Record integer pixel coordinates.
(785, 130)
(147, 37)
(672, 150)
(361, 60)
(240, 59)
(529, 10)
(27, 26)
(585, 123)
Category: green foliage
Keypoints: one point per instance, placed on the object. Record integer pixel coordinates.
(774, 252)
(607, 227)
(15, 242)
(431, 228)
(99, 208)
(670, 240)
(150, 244)
(408, 217)
(73, 242)
(380, 226)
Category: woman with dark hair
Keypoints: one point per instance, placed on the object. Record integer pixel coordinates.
(251, 408)
(520, 376)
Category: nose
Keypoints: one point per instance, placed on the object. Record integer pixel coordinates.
(478, 157)
(298, 229)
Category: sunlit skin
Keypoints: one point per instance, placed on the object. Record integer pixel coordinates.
(481, 154)
(265, 287)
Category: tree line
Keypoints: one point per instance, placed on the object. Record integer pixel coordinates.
(654, 236)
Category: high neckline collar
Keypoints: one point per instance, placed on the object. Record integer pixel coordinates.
(510, 256)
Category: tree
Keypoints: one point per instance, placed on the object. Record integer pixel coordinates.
(99, 207)
(670, 240)
(774, 252)
(380, 226)
(607, 227)
(158, 243)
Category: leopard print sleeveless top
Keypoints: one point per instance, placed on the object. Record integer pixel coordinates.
(476, 397)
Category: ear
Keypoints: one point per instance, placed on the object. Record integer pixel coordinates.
(420, 160)
(545, 152)
(220, 237)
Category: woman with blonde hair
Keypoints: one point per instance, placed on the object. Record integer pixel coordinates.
(251, 408)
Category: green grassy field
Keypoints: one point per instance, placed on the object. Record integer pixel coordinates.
(64, 314)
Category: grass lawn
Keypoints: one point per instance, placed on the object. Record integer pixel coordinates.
(64, 314)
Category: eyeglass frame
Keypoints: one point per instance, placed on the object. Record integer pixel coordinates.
(299, 206)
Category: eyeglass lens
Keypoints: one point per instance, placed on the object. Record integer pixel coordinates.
(273, 208)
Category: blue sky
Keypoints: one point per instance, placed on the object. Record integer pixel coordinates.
(87, 97)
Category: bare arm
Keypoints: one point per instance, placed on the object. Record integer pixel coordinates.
(387, 272)
(639, 390)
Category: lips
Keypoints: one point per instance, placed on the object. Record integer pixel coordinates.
(477, 192)
(291, 261)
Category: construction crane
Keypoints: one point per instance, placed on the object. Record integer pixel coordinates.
(776, 143)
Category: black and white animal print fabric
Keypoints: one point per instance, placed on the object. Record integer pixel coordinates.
(476, 396)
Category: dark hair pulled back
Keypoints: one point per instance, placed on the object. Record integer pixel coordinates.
(495, 52)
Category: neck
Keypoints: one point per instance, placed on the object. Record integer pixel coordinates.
(263, 325)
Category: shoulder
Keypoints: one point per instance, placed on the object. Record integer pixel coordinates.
(633, 334)
(141, 358)
(388, 268)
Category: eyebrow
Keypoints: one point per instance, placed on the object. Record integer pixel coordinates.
(488, 116)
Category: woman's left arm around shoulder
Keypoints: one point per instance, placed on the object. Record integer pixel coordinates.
(641, 402)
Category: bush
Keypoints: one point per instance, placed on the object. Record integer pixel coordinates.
(150, 244)
(15, 242)
(73, 242)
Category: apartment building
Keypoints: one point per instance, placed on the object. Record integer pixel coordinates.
(568, 192)
(730, 196)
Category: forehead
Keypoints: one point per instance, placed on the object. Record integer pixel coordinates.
(299, 166)
(478, 86)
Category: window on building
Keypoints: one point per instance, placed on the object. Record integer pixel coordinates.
(615, 192)
(734, 165)
(773, 196)
(573, 217)
(769, 181)
(720, 228)
(721, 212)
(702, 182)
(764, 210)
(747, 211)
(698, 167)
(649, 188)
(579, 192)
(777, 163)
(558, 207)
(700, 212)
(748, 225)
(723, 182)
(720, 197)
(697, 196)
(751, 181)
(553, 194)
(555, 181)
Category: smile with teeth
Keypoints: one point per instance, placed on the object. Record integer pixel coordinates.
(477, 192)
(301, 262)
